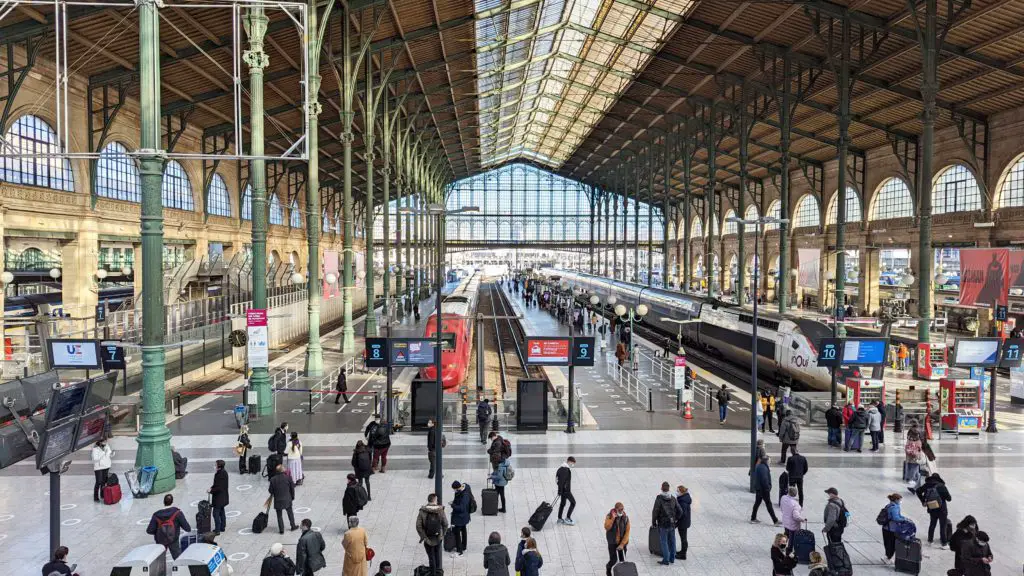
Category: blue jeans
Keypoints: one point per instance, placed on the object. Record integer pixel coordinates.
(833, 436)
(722, 410)
(220, 521)
(846, 442)
(668, 544)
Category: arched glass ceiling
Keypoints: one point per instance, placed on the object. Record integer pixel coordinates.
(548, 70)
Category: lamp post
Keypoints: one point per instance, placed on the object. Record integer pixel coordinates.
(631, 314)
(758, 225)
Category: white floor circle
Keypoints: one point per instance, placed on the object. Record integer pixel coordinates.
(6, 517)
(68, 506)
(238, 556)
(243, 487)
(233, 514)
(303, 510)
(245, 531)
(71, 522)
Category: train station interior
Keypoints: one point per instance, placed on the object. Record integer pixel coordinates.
(219, 217)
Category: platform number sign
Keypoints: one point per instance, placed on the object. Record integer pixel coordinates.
(1000, 313)
(830, 352)
(376, 352)
(583, 351)
(1012, 349)
(112, 356)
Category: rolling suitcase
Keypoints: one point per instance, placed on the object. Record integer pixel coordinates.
(803, 545)
(838, 560)
(540, 516)
(908, 556)
(489, 502)
(254, 464)
(187, 540)
(624, 568)
(654, 541)
(111, 494)
(259, 523)
(204, 517)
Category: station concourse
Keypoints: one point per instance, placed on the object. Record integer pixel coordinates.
(227, 204)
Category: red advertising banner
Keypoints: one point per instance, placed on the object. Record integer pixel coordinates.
(552, 351)
(984, 276)
(1017, 268)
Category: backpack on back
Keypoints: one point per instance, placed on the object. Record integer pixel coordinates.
(167, 530)
(667, 513)
(794, 430)
(432, 525)
(472, 500)
(883, 516)
(844, 516)
(506, 448)
(364, 498)
(509, 473)
(932, 499)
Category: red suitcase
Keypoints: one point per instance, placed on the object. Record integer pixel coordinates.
(112, 494)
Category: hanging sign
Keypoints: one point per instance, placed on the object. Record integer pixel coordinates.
(258, 337)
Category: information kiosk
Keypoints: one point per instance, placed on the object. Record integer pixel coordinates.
(932, 362)
(960, 401)
(859, 353)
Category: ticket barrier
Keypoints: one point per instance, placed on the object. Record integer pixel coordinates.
(148, 560)
(864, 391)
(932, 362)
(201, 560)
(960, 406)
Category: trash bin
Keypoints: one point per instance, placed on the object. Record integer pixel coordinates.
(146, 477)
(241, 414)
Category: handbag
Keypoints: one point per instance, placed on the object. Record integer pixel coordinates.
(370, 554)
(240, 449)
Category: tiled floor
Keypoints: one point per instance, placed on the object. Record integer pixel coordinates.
(984, 476)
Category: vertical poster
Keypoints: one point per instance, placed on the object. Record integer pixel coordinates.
(807, 263)
(331, 267)
(984, 277)
(258, 346)
(1017, 268)
(359, 264)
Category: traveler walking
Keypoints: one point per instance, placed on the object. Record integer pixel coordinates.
(898, 418)
(934, 495)
(874, 426)
(783, 561)
(683, 523)
(563, 480)
(789, 433)
(483, 418)
(381, 443)
(792, 515)
(309, 552)
(796, 469)
(242, 447)
(431, 525)
(282, 490)
(892, 517)
(341, 386)
(166, 526)
(460, 515)
(531, 561)
(294, 454)
(620, 353)
(848, 412)
(355, 497)
(362, 466)
(723, 398)
(834, 421)
(356, 544)
(276, 563)
(835, 517)
(762, 491)
(616, 532)
(500, 478)
(664, 515)
(221, 496)
(101, 455)
(859, 423)
(496, 558)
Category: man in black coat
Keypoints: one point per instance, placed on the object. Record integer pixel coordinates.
(342, 386)
(219, 492)
(834, 421)
(282, 490)
(762, 491)
(309, 553)
(276, 563)
(796, 468)
(279, 441)
(563, 480)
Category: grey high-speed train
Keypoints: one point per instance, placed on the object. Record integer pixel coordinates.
(786, 345)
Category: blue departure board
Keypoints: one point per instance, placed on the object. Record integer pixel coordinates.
(864, 351)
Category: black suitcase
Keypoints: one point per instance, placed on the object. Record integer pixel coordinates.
(654, 541)
(803, 545)
(204, 517)
(540, 516)
(254, 464)
(838, 560)
(259, 523)
(426, 571)
(449, 540)
(187, 540)
(908, 556)
(489, 502)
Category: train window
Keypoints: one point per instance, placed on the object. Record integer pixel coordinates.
(795, 345)
(447, 341)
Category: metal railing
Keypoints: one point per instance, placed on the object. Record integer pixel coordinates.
(661, 368)
(629, 382)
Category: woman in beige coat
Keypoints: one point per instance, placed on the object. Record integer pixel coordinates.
(355, 544)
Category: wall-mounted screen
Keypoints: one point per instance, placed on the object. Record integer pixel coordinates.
(74, 354)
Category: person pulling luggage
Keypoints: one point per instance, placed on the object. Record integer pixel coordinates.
(563, 479)
(101, 456)
(616, 532)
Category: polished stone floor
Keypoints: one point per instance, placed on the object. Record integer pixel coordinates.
(984, 476)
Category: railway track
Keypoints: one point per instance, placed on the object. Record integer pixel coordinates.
(503, 336)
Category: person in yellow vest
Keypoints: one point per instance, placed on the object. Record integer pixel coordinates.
(768, 406)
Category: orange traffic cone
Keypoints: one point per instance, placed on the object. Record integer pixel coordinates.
(687, 412)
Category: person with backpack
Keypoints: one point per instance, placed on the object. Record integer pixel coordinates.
(278, 442)
(723, 398)
(431, 525)
(789, 434)
(835, 517)
(496, 559)
(796, 469)
(834, 422)
(462, 508)
(341, 387)
(563, 480)
(500, 479)
(362, 466)
(890, 518)
(874, 426)
(282, 490)
(220, 495)
(355, 497)
(309, 552)
(616, 532)
(664, 515)
(101, 456)
(483, 418)
(934, 495)
(683, 522)
(762, 491)
(166, 526)
(499, 451)
(381, 442)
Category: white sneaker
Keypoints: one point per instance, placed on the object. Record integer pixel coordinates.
(886, 560)
(943, 547)
(570, 522)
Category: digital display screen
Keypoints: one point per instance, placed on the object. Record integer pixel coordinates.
(56, 443)
(90, 429)
(1012, 348)
(66, 402)
(413, 352)
(864, 351)
(982, 352)
(75, 354)
(113, 357)
(547, 351)
(828, 351)
(532, 401)
(583, 351)
(101, 391)
(376, 352)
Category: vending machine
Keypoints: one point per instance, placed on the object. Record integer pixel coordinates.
(864, 390)
(960, 406)
(932, 363)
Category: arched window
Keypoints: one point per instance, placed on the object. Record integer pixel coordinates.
(892, 200)
(32, 135)
(697, 228)
(218, 203)
(1011, 191)
(295, 217)
(327, 223)
(955, 190)
(116, 174)
(247, 203)
(774, 211)
(176, 191)
(730, 227)
(751, 214)
(807, 212)
(276, 215)
(852, 207)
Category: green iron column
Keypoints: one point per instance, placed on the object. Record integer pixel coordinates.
(314, 352)
(687, 211)
(844, 88)
(370, 324)
(638, 183)
(666, 211)
(929, 90)
(712, 276)
(256, 28)
(782, 283)
(154, 439)
(741, 206)
(348, 334)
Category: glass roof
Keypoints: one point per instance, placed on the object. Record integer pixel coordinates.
(548, 70)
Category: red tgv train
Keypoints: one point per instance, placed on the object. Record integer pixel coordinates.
(457, 311)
